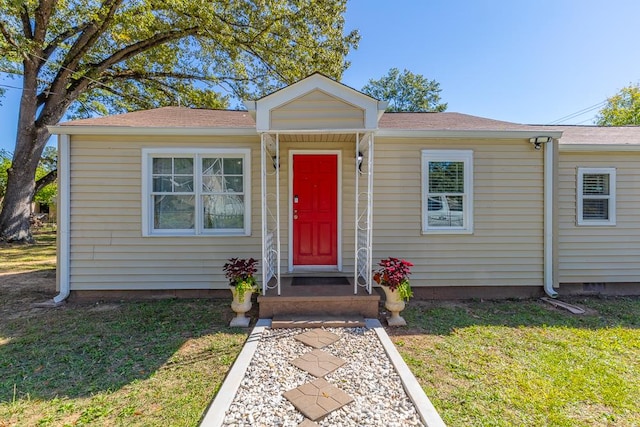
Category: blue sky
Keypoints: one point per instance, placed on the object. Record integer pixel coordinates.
(514, 60)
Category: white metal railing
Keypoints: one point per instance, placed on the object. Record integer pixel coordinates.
(271, 255)
(363, 213)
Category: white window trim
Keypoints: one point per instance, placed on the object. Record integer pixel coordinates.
(147, 212)
(465, 156)
(580, 197)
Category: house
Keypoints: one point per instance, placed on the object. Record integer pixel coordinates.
(318, 179)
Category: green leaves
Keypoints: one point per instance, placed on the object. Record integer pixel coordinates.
(114, 56)
(621, 109)
(406, 91)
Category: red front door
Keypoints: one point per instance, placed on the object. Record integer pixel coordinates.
(315, 209)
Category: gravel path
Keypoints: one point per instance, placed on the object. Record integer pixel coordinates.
(368, 377)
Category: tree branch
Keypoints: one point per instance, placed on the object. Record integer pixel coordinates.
(26, 22)
(55, 43)
(46, 180)
(90, 34)
(7, 35)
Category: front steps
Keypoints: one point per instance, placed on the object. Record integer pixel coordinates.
(318, 301)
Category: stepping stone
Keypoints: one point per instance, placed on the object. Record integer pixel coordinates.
(318, 363)
(317, 338)
(308, 423)
(317, 399)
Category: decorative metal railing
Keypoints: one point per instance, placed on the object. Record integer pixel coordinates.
(270, 180)
(363, 212)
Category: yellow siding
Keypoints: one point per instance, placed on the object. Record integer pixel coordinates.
(506, 247)
(107, 247)
(590, 254)
(317, 110)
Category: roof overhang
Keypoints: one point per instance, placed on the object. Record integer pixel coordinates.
(475, 134)
(599, 147)
(171, 131)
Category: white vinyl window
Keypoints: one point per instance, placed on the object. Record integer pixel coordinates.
(596, 191)
(447, 191)
(196, 192)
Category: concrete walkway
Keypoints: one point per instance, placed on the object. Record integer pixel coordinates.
(318, 398)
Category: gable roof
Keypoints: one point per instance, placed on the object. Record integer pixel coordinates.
(172, 117)
(181, 120)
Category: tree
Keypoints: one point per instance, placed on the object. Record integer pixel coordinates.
(46, 173)
(406, 92)
(622, 108)
(84, 57)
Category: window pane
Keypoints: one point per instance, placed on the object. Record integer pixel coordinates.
(212, 184)
(445, 211)
(595, 184)
(223, 211)
(595, 209)
(183, 166)
(211, 166)
(183, 184)
(173, 212)
(232, 166)
(446, 177)
(234, 184)
(162, 184)
(162, 166)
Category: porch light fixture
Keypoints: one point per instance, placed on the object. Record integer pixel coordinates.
(360, 159)
(276, 161)
(539, 140)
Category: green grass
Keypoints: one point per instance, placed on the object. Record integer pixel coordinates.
(506, 363)
(134, 363)
(157, 363)
(39, 256)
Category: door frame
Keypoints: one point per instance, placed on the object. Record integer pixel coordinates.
(299, 268)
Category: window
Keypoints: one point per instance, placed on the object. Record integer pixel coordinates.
(195, 192)
(596, 196)
(447, 191)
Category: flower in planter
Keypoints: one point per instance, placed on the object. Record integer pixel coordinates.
(394, 274)
(240, 273)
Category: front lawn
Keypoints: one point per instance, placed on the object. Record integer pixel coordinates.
(160, 363)
(524, 363)
(135, 363)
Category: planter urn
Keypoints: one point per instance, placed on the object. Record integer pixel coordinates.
(395, 305)
(240, 308)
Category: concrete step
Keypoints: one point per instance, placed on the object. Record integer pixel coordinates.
(283, 322)
(313, 305)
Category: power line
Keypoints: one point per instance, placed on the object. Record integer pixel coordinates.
(578, 113)
(91, 80)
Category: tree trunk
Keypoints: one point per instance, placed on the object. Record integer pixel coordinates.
(16, 206)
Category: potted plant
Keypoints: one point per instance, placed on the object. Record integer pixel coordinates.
(240, 273)
(393, 277)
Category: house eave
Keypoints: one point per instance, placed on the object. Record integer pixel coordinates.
(167, 131)
(484, 134)
(598, 147)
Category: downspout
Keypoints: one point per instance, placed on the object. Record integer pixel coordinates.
(64, 218)
(548, 218)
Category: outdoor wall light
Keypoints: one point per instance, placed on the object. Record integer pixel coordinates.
(360, 159)
(539, 140)
(276, 162)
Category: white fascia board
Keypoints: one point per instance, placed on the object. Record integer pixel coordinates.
(316, 131)
(124, 130)
(599, 147)
(487, 134)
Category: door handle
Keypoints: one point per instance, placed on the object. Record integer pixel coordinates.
(295, 214)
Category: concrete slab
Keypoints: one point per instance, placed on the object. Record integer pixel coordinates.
(317, 338)
(317, 399)
(318, 363)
